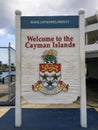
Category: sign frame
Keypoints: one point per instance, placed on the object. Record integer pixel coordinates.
(18, 105)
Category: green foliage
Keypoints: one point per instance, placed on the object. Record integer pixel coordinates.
(49, 59)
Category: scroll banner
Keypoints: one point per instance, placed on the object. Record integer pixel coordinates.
(50, 59)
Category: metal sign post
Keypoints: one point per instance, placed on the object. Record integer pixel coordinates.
(83, 111)
(18, 113)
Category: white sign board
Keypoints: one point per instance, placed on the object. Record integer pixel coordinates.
(49, 59)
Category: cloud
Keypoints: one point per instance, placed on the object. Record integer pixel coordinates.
(28, 7)
(5, 38)
(40, 7)
(2, 31)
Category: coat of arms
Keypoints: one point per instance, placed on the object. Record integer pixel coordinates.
(50, 75)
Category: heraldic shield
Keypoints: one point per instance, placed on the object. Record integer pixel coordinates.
(50, 76)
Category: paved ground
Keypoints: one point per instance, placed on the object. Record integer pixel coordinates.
(92, 100)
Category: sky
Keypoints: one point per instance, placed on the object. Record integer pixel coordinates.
(38, 8)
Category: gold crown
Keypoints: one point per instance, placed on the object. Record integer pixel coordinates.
(50, 52)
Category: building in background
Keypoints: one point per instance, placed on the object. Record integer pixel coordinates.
(91, 36)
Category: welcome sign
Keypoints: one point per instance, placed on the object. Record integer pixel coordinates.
(48, 59)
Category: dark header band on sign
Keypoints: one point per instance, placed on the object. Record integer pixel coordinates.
(50, 22)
